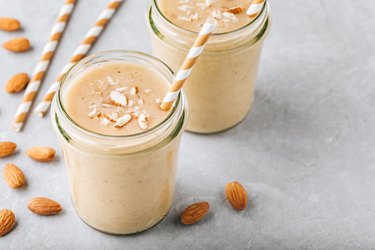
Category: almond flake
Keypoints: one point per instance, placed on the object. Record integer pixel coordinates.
(142, 121)
(93, 113)
(123, 89)
(130, 103)
(229, 17)
(110, 81)
(185, 7)
(134, 90)
(135, 115)
(209, 3)
(104, 121)
(106, 105)
(118, 98)
(235, 10)
(123, 120)
(112, 117)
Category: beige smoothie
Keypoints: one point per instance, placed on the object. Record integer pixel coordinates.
(220, 89)
(119, 148)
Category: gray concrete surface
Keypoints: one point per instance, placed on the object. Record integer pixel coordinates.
(306, 154)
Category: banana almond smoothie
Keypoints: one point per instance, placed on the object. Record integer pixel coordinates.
(120, 148)
(220, 89)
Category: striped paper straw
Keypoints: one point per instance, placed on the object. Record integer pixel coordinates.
(82, 50)
(42, 66)
(187, 66)
(255, 8)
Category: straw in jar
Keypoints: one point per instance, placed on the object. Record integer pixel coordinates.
(198, 47)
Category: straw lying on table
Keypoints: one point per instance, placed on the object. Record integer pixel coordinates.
(42, 66)
(190, 60)
(79, 53)
(255, 8)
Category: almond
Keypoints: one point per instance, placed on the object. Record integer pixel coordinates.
(194, 213)
(44, 206)
(13, 176)
(20, 44)
(17, 83)
(9, 24)
(7, 148)
(42, 154)
(7, 221)
(235, 10)
(236, 195)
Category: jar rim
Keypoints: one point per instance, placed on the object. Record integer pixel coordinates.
(139, 55)
(255, 20)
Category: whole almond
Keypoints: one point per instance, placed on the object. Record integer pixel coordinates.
(42, 154)
(13, 176)
(17, 83)
(7, 221)
(9, 24)
(20, 44)
(194, 213)
(7, 148)
(236, 195)
(44, 206)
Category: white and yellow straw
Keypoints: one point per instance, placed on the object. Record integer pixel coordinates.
(42, 66)
(188, 64)
(79, 53)
(255, 8)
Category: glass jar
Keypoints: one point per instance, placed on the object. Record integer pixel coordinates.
(120, 184)
(220, 89)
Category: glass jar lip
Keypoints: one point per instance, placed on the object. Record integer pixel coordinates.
(179, 101)
(155, 4)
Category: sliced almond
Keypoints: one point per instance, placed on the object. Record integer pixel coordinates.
(44, 206)
(123, 120)
(118, 98)
(9, 24)
(194, 213)
(7, 221)
(234, 10)
(13, 176)
(20, 44)
(142, 121)
(104, 121)
(7, 148)
(17, 83)
(134, 90)
(42, 154)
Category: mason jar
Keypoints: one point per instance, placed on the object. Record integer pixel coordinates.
(220, 89)
(120, 184)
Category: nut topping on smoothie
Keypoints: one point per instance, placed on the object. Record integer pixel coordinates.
(191, 14)
(121, 98)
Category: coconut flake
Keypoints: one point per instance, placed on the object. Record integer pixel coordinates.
(118, 98)
(123, 120)
(158, 100)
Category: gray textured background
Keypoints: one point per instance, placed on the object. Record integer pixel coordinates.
(306, 154)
